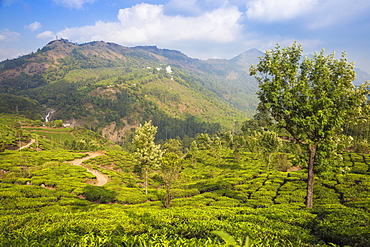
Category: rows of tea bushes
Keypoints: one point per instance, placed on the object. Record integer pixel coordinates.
(31, 179)
(16, 131)
(152, 225)
(68, 138)
(47, 202)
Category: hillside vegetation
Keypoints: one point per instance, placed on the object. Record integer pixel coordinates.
(113, 88)
(48, 202)
(104, 145)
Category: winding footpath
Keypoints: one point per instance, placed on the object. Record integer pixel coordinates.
(28, 145)
(101, 178)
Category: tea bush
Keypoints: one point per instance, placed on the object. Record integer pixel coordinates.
(46, 202)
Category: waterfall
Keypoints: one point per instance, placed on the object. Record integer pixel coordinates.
(47, 116)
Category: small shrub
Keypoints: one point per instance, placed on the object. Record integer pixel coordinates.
(99, 194)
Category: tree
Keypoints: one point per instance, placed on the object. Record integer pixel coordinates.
(216, 149)
(173, 146)
(237, 155)
(147, 153)
(311, 98)
(170, 170)
(251, 142)
(204, 141)
(193, 151)
(260, 121)
(270, 143)
(228, 139)
(58, 123)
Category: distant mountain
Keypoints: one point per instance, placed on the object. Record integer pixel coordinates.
(361, 77)
(112, 88)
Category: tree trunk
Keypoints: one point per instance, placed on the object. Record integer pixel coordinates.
(311, 176)
(168, 197)
(146, 181)
(268, 161)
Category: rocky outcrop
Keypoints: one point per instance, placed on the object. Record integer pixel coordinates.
(114, 134)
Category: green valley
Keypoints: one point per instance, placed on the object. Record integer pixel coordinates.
(47, 201)
(105, 145)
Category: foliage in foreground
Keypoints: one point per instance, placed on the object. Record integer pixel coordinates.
(45, 202)
(312, 98)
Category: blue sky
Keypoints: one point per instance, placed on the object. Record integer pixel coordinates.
(199, 28)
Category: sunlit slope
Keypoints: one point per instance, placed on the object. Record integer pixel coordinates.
(110, 86)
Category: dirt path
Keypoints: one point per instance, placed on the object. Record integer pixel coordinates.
(28, 144)
(101, 178)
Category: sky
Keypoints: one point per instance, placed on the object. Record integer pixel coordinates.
(199, 28)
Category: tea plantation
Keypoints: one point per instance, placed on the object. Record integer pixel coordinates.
(45, 201)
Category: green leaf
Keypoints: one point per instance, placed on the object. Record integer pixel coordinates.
(226, 237)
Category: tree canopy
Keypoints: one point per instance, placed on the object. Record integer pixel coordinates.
(170, 171)
(147, 153)
(311, 97)
(270, 143)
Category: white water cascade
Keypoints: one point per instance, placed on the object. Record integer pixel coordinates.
(47, 116)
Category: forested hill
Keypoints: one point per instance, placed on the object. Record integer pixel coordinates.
(111, 88)
(229, 79)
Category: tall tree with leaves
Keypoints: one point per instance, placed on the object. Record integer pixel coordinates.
(251, 143)
(193, 152)
(147, 153)
(170, 171)
(311, 98)
(216, 149)
(173, 146)
(270, 143)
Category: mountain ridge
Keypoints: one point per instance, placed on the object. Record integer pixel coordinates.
(113, 88)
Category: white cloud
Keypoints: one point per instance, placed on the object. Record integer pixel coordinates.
(45, 35)
(148, 24)
(7, 35)
(73, 4)
(33, 26)
(276, 10)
